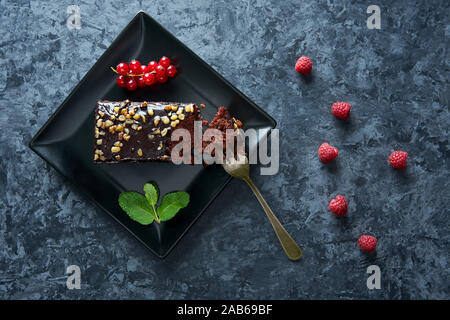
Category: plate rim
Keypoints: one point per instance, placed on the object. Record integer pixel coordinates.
(33, 145)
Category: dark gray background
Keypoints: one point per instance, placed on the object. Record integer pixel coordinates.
(396, 78)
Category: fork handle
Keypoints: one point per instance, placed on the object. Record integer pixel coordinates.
(290, 247)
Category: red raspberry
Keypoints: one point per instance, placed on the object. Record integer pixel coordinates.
(303, 65)
(338, 206)
(341, 110)
(397, 159)
(367, 243)
(327, 152)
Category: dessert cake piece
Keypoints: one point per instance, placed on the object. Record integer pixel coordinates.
(223, 121)
(139, 131)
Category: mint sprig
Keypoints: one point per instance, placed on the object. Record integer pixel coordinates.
(143, 209)
(137, 207)
(151, 191)
(171, 203)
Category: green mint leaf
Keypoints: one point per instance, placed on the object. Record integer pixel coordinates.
(171, 203)
(151, 192)
(137, 207)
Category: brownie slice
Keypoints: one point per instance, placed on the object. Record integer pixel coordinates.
(223, 121)
(139, 131)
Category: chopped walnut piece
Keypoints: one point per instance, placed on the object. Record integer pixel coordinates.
(165, 120)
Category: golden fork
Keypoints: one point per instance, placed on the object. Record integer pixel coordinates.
(239, 168)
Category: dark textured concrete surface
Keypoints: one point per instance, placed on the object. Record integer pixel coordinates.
(396, 78)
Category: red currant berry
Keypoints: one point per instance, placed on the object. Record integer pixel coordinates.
(164, 61)
(161, 78)
(152, 66)
(131, 84)
(140, 82)
(160, 70)
(171, 71)
(122, 81)
(135, 67)
(149, 78)
(144, 69)
(122, 68)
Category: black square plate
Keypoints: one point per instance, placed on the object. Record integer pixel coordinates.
(65, 141)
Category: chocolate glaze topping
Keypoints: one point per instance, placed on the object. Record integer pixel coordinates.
(139, 131)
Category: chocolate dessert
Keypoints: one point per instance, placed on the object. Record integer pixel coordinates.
(223, 121)
(139, 131)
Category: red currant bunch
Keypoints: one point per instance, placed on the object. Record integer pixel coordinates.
(136, 75)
